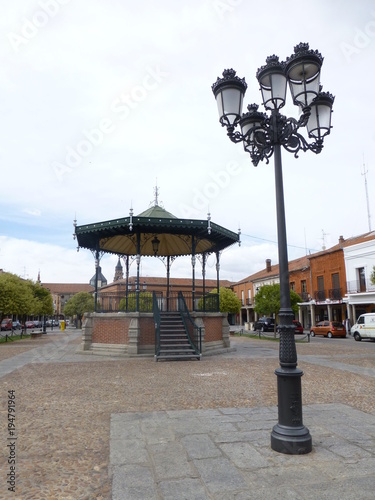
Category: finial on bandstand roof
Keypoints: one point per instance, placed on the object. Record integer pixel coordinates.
(156, 202)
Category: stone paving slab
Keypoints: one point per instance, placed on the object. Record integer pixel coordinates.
(225, 454)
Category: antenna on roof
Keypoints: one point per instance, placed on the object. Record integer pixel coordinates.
(324, 241)
(368, 206)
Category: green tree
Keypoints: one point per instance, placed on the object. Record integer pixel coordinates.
(267, 300)
(228, 301)
(372, 277)
(145, 302)
(79, 304)
(43, 303)
(16, 296)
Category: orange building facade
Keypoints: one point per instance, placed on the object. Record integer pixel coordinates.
(320, 279)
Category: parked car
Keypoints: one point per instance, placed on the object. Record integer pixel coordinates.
(264, 324)
(328, 329)
(37, 323)
(6, 325)
(30, 324)
(298, 327)
(16, 325)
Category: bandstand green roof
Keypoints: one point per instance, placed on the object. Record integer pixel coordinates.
(175, 235)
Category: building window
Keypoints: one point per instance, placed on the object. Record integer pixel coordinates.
(303, 286)
(249, 297)
(293, 286)
(335, 280)
(335, 293)
(320, 294)
(361, 279)
(242, 298)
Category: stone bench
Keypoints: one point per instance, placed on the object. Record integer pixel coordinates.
(35, 335)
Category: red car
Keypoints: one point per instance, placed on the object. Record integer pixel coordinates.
(299, 327)
(6, 325)
(30, 324)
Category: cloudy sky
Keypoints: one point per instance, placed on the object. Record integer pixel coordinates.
(100, 101)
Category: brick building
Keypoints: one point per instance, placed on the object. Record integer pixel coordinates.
(322, 283)
(62, 292)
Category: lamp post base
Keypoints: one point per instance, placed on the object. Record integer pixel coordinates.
(291, 441)
(289, 435)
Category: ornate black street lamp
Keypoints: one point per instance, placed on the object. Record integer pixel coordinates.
(262, 136)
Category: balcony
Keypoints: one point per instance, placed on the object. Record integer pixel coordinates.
(320, 295)
(335, 294)
(360, 286)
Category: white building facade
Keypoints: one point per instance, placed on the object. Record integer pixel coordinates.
(359, 265)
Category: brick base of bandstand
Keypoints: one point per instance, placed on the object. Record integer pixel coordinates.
(133, 334)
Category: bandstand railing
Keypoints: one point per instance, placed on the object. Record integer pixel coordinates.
(194, 331)
(156, 311)
(120, 302)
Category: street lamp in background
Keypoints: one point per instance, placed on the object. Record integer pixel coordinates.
(262, 136)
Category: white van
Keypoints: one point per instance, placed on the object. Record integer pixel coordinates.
(365, 327)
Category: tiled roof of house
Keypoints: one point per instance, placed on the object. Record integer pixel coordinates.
(68, 288)
(362, 238)
(273, 271)
(303, 262)
(353, 240)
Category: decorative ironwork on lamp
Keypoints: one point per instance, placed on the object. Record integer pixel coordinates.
(260, 132)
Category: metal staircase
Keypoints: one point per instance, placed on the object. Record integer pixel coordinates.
(174, 342)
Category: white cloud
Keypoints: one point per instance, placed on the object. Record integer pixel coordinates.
(32, 211)
(60, 86)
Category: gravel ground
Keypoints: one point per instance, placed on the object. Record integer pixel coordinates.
(63, 409)
(12, 348)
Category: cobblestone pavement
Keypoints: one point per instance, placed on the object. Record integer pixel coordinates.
(65, 401)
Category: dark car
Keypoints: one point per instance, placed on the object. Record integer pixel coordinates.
(264, 324)
(16, 325)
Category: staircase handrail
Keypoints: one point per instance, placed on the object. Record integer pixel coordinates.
(195, 342)
(156, 312)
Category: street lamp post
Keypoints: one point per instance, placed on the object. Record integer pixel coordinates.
(262, 136)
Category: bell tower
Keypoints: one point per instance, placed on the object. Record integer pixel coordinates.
(119, 273)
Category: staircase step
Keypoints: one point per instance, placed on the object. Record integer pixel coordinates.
(174, 342)
(179, 356)
(169, 352)
(174, 339)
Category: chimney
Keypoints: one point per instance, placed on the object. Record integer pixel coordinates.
(341, 241)
(268, 265)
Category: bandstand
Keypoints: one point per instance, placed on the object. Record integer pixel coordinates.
(169, 326)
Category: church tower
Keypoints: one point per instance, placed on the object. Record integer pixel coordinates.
(119, 273)
(101, 279)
